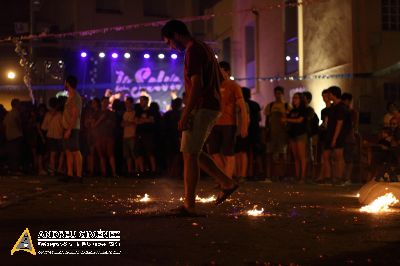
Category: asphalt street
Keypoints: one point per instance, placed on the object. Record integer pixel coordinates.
(300, 224)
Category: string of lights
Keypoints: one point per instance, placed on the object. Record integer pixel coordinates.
(307, 77)
(158, 23)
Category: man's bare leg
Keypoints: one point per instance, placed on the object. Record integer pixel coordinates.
(208, 165)
(326, 165)
(219, 160)
(229, 165)
(78, 163)
(191, 174)
(70, 163)
(339, 162)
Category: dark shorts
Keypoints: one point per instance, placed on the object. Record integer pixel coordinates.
(129, 148)
(72, 143)
(340, 143)
(242, 145)
(55, 145)
(222, 140)
(144, 145)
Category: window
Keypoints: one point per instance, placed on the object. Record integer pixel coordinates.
(155, 8)
(109, 6)
(391, 15)
(226, 49)
(250, 55)
(291, 39)
(391, 92)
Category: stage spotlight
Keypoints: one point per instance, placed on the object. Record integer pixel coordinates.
(174, 56)
(127, 55)
(288, 58)
(11, 75)
(297, 58)
(83, 54)
(102, 55)
(147, 56)
(216, 56)
(114, 55)
(161, 56)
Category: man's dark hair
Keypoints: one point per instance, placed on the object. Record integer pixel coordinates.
(225, 66)
(129, 99)
(143, 97)
(176, 103)
(246, 93)
(347, 96)
(308, 96)
(279, 89)
(53, 102)
(325, 91)
(174, 26)
(14, 103)
(335, 91)
(302, 100)
(72, 81)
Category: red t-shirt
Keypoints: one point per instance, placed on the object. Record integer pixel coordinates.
(200, 60)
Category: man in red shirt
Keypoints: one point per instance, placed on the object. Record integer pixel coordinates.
(202, 109)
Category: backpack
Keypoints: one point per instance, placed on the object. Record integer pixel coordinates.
(267, 121)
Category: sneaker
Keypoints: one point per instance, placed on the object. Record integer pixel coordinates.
(346, 183)
(42, 173)
(225, 193)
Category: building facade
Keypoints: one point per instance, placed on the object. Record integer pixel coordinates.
(318, 39)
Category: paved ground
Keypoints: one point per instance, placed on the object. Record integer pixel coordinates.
(302, 224)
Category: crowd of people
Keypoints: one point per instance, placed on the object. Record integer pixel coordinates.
(133, 138)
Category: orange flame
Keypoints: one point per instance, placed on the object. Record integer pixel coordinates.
(206, 200)
(381, 204)
(255, 211)
(146, 198)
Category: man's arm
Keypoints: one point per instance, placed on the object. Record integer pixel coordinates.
(338, 128)
(245, 117)
(243, 112)
(74, 113)
(298, 120)
(74, 116)
(191, 100)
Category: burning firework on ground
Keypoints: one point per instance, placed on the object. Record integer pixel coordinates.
(203, 200)
(255, 211)
(146, 198)
(206, 200)
(381, 204)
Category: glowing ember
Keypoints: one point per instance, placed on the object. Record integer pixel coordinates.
(255, 212)
(146, 198)
(206, 200)
(381, 204)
